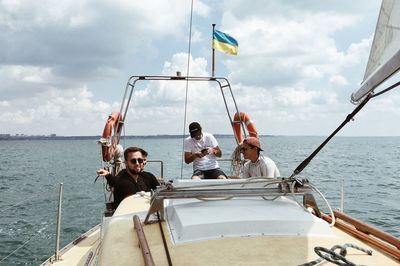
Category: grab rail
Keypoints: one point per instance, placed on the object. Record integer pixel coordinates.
(144, 246)
(161, 166)
(367, 229)
(221, 191)
(367, 233)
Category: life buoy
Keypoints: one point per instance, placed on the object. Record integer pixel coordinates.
(237, 126)
(112, 122)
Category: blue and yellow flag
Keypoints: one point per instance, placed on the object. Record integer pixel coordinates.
(224, 43)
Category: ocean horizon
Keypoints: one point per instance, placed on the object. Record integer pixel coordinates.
(96, 137)
(31, 173)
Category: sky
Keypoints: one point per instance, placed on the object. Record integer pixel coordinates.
(64, 66)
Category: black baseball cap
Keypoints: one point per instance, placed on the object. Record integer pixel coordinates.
(194, 128)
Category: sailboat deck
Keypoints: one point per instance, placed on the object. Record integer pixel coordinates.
(256, 244)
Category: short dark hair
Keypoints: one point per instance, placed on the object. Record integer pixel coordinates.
(134, 149)
(144, 153)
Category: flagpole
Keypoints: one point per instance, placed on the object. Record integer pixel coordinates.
(213, 52)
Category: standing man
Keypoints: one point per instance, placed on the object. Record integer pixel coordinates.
(202, 149)
(133, 179)
(257, 164)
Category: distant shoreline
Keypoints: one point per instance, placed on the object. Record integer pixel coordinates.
(27, 137)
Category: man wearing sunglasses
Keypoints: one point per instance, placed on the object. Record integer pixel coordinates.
(202, 149)
(257, 164)
(132, 179)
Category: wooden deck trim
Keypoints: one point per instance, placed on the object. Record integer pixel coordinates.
(366, 228)
(360, 229)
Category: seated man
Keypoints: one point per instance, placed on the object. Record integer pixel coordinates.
(202, 149)
(257, 164)
(133, 179)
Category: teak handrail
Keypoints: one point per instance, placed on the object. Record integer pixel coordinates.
(144, 246)
(367, 233)
(366, 228)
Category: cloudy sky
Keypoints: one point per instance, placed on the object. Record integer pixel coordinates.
(64, 65)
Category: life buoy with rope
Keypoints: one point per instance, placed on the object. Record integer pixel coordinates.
(237, 126)
(108, 145)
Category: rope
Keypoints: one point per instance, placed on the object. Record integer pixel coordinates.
(21, 246)
(31, 237)
(336, 258)
(28, 199)
(349, 118)
(236, 162)
(263, 179)
(246, 182)
(386, 90)
(320, 193)
(187, 86)
(215, 199)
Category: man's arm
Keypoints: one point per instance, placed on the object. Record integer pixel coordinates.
(190, 157)
(216, 151)
(111, 179)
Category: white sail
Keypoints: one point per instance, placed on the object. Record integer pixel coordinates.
(384, 58)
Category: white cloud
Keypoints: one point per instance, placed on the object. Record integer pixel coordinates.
(296, 97)
(338, 80)
(56, 111)
(288, 49)
(4, 104)
(32, 74)
(62, 64)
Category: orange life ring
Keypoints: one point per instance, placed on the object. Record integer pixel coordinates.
(237, 126)
(112, 122)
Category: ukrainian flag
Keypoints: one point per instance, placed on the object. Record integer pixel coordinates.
(224, 43)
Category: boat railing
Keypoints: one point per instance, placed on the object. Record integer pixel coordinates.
(57, 255)
(37, 235)
(367, 233)
(223, 83)
(161, 166)
(267, 188)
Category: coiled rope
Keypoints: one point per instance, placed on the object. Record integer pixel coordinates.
(236, 162)
(336, 258)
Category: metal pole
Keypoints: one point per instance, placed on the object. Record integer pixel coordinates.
(57, 251)
(213, 53)
(342, 197)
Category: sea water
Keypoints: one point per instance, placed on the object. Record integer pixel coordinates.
(31, 172)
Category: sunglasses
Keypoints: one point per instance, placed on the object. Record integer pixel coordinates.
(245, 149)
(135, 161)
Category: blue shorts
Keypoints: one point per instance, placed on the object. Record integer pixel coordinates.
(209, 174)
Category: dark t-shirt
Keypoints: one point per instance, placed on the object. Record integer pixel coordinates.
(124, 185)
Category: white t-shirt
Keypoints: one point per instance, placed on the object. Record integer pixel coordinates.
(264, 167)
(207, 162)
